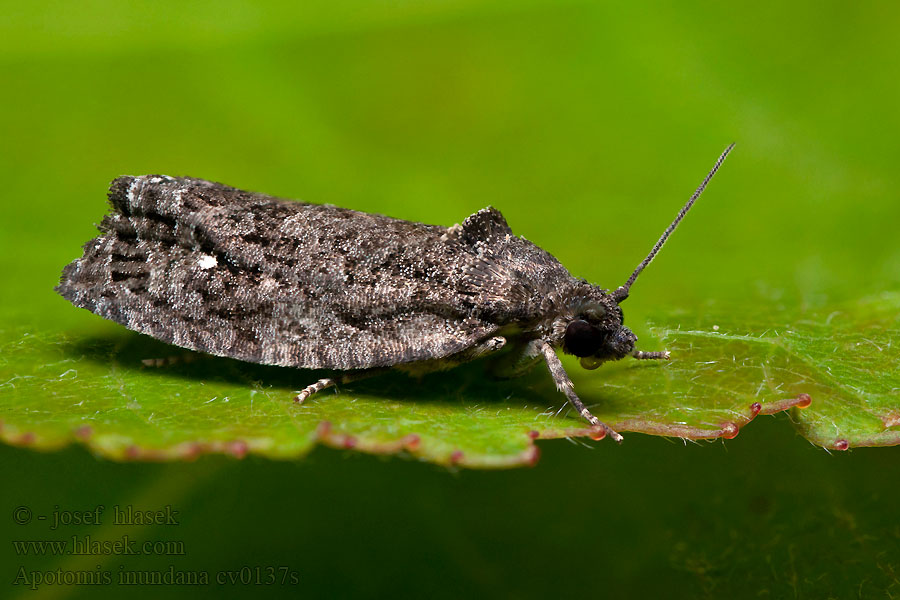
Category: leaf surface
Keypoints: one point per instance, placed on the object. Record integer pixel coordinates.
(58, 388)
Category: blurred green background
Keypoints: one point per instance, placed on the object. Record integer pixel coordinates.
(587, 124)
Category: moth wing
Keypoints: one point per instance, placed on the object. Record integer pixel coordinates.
(191, 263)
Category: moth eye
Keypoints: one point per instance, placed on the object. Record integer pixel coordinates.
(582, 338)
(590, 363)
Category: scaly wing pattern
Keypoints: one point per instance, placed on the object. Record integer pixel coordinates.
(248, 276)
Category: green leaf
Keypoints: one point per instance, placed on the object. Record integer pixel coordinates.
(726, 369)
(842, 357)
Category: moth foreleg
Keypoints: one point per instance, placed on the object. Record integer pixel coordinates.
(651, 355)
(565, 385)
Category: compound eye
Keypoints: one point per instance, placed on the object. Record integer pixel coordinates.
(582, 338)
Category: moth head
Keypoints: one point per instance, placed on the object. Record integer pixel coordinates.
(596, 334)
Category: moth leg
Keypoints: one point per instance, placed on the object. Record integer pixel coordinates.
(565, 385)
(341, 379)
(318, 386)
(169, 360)
(651, 355)
(484, 348)
(519, 360)
(479, 350)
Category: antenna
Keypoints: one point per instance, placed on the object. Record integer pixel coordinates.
(621, 293)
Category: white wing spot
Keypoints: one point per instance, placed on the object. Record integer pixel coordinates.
(207, 262)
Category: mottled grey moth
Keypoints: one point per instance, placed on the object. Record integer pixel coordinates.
(248, 276)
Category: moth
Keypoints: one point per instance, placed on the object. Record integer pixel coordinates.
(248, 276)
